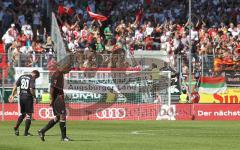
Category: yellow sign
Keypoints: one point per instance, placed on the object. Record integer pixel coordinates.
(232, 95)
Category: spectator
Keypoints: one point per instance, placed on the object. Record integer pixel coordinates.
(16, 55)
(36, 20)
(7, 39)
(108, 33)
(21, 17)
(49, 47)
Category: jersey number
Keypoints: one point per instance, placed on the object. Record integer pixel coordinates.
(24, 84)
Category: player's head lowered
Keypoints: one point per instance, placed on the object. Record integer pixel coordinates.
(35, 74)
(65, 68)
(65, 65)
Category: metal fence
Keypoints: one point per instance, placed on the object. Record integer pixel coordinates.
(204, 65)
(100, 60)
(81, 60)
(26, 59)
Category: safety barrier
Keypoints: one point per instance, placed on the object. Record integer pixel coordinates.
(134, 112)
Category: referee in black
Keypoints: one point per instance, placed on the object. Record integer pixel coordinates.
(26, 83)
(57, 94)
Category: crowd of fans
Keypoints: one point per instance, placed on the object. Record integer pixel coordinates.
(150, 25)
(159, 25)
(24, 35)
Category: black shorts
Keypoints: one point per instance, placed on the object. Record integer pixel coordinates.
(59, 110)
(26, 104)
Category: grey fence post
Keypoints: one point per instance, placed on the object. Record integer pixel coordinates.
(2, 95)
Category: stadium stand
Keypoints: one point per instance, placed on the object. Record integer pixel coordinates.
(102, 33)
(24, 31)
(147, 27)
(152, 25)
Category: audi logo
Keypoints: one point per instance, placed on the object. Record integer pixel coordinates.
(111, 113)
(46, 113)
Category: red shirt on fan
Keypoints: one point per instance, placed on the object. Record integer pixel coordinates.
(148, 42)
(23, 39)
(212, 32)
(195, 97)
(61, 10)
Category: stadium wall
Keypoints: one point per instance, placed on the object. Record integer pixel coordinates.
(133, 112)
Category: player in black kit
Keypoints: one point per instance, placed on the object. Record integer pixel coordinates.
(57, 97)
(26, 83)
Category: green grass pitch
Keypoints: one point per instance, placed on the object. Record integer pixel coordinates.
(128, 135)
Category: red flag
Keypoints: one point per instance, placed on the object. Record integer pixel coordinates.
(195, 97)
(61, 10)
(69, 10)
(96, 16)
(65, 10)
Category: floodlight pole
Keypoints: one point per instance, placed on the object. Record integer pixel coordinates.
(190, 50)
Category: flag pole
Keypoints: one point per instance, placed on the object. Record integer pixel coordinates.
(190, 50)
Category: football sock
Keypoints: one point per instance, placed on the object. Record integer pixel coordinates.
(63, 128)
(50, 124)
(19, 121)
(27, 125)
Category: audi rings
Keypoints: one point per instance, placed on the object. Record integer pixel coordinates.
(111, 113)
(46, 113)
